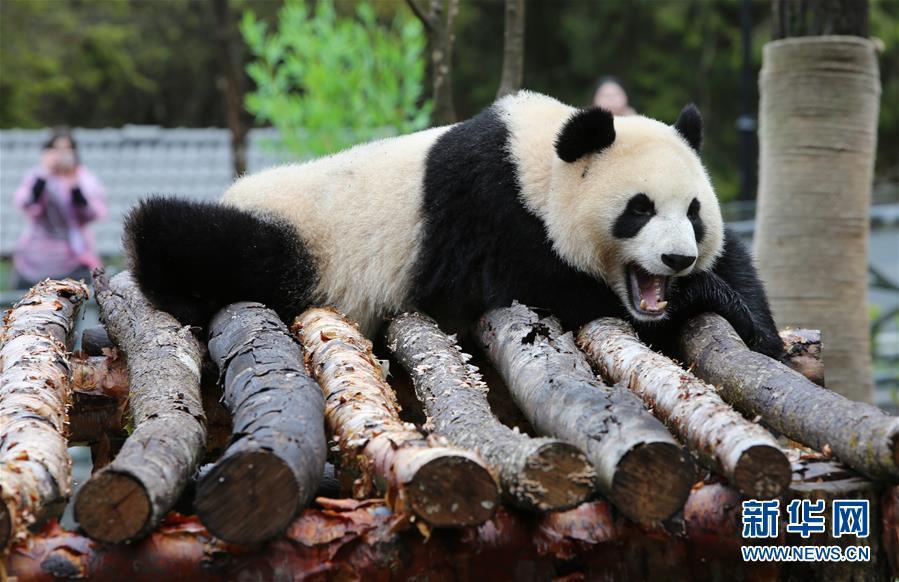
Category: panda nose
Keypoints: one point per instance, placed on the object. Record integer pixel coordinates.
(678, 262)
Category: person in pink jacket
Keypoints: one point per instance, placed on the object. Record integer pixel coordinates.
(60, 198)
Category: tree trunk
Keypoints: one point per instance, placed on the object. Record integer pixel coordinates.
(536, 473)
(817, 129)
(233, 84)
(860, 435)
(272, 466)
(443, 486)
(513, 48)
(35, 393)
(128, 498)
(745, 453)
(441, 31)
(639, 466)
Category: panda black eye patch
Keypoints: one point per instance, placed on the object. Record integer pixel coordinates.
(639, 210)
(696, 221)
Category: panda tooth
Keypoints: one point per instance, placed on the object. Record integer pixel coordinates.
(662, 305)
(643, 304)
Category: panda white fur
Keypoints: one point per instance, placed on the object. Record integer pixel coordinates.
(565, 209)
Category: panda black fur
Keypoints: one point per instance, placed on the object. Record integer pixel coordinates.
(530, 200)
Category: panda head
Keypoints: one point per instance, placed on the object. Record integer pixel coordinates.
(631, 203)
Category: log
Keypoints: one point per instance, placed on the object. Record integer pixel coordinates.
(802, 349)
(535, 473)
(100, 396)
(724, 441)
(35, 391)
(276, 456)
(130, 496)
(860, 435)
(441, 485)
(94, 340)
(639, 465)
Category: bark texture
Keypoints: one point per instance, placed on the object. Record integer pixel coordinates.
(819, 17)
(817, 129)
(440, 24)
(443, 486)
(362, 540)
(35, 392)
(535, 473)
(639, 465)
(513, 48)
(744, 452)
(100, 396)
(276, 456)
(128, 498)
(859, 434)
(803, 353)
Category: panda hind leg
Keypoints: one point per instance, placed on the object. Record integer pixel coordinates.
(192, 258)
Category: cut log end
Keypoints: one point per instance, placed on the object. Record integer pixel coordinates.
(557, 476)
(762, 472)
(652, 482)
(452, 490)
(248, 497)
(113, 507)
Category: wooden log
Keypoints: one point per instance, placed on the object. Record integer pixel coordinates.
(535, 473)
(130, 496)
(443, 486)
(100, 396)
(94, 340)
(35, 391)
(274, 462)
(724, 441)
(802, 349)
(639, 465)
(860, 435)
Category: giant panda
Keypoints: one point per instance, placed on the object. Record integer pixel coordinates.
(569, 210)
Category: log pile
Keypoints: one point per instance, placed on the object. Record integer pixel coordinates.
(406, 500)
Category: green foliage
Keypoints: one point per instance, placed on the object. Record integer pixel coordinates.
(327, 81)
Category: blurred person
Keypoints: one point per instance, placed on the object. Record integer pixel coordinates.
(611, 96)
(59, 197)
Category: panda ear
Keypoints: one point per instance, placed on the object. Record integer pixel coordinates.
(689, 125)
(587, 131)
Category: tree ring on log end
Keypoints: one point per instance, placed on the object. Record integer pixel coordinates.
(652, 481)
(762, 472)
(113, 507)
(560, 475)
(248, 497)
(452, 491)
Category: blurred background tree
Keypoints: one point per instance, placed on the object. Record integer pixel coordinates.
(96, 64)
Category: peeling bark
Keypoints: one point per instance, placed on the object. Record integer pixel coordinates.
(100, 390)
(443, 486)
(535, 473)
(745, 453)
(859, 434)
(639, 465)
(803, 353)
(35, 391)
(364, 540)
(276, 456)
(128, 498)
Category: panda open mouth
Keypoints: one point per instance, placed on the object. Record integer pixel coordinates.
(647, 291)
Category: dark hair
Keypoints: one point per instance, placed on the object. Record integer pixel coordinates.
(62, 131)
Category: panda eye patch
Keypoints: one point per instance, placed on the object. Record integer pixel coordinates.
(693, 210)
(641, 205)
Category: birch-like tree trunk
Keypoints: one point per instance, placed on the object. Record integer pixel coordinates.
(817, 130)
